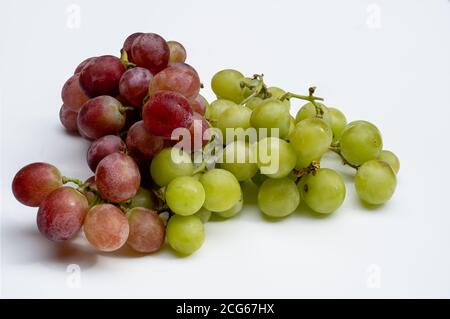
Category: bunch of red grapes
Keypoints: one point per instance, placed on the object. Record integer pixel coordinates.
(128, 107)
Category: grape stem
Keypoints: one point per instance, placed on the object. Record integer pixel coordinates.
(200, 169)
(123, 109)
(125, 61)
(336, 149)
(75, 181)
(311, 169)
(310, 98)
(259, 89)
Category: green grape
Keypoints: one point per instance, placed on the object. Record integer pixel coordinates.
(233, 210)
(236, 116)
(323, 192)
(308, 111)
(168, 164)
(276, 157)
(277, 93)
(291, 125)
(391, 159)
(310, 139)
(375, 182)
(216, 108)
(259, 178)
(337, 122)
(203, 214)
(360, 141)
(254, 102)
(246, 91)
(222, 190)
(239, 159)
(278, 197)
(226, 84)
(144, 198)
(185, 195)
(185, 234)
(271, 114)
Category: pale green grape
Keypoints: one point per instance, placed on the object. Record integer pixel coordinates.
(391, 159)
(226, 84)
(239, 159)
(222, 190)
(323, 192)
(216, 108)
(277, 93)
(233, 210)
(254, 102)
(360, 141)
(308, 111)
(144, 198)
(310, 139)
(168, 164)
(203, 214)
(185, 195)
(375, 182)
(276, 157)
(271, 114)
(185, 234)
(291, 126)
(237, 116)
(278, 197)
(337, 123)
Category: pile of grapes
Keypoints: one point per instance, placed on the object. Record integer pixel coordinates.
(165, 159)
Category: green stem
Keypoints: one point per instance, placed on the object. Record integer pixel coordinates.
(200, 169)
(123, 109)
(337, 150)
(125, 61)
(75, 181)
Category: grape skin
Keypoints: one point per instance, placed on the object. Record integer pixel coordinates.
(68, 118)
(308, 110)
(216, 108)
(233, 210)
(199, 104)
(128, 43)
(101, 148)
(147, 230)
(222, 190)
(276, 157)
(144, 198)
(271, 114)
(238, 158)
(150, 51)
(133, 86)
(236, 116)
(226, 84)
(185, 195)
(391, 159)
(81, 66)
(337, 123)
(164, 168)
(72, 94)
(278, 197)
(177, 52)
(277, 93)
(141, 143)
(185, 234)
(203, 214)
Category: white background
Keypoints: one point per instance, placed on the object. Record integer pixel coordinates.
(384, 61)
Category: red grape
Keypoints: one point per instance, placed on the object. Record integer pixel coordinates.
(183, 66)
(81, 66)
(177, 79)
(150, 51)
(34, 182)
(106, 227)
(101, 76)
(102, 147)
(61, 214)
(177, 52)
(133, 85)
(68, 118)
(89, 191)
(166, 111)
(199, 136)
(199, 104)
(72, 94)
(141, 143)
(100, 116)
(117, 177)
(147, 230)
(129, 42)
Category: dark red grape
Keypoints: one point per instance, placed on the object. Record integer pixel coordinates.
(183, 66)
(177, 52)
(101, 76)
(102, 147)
(117, 177)
(81, 66)
(133, 86)
(141, 143)
(34, 182)
(72, 94)
(68, 118)
(150, 51)
(128, 43)
(147, 230)
(61, 214)
(166, 111)
(199, 134)
(100, 116)
(199, 104)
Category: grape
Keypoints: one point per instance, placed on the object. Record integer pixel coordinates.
(117, 177)
(72, 94)
(216, 108)
(271, 114)
(203, 214)
(144, 198)
(177, 52)
(291, 126)
(128, 43)
(150, 51)
(222, 190)
(141, 143)
(308, 111)
(185, 234)
(89, 190)
(61, 214)
(106, 227)
(236, 116)
(81, 66)
(133, 86)
(166, 111)
(278, 197)
(185, 195)
(254, 102)
(170, 163)
(276, 157)
(184, 66)
(360, 141)
(239, 159)
(101, 148)
(100, 116)
(375, 182)
(199, 134)
(310, 139)
(199, 104)
(147, 230)
(233, 210)
(101, 76)
(337, 122)
(34, 182)
(68, 118)
(391, 159)
(176, 79)
(277, 93)
(259, 178)
(324, 191)
(226, 84)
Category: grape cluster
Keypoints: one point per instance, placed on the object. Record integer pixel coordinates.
(165, 160)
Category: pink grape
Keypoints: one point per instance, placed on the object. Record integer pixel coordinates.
(34, 182)
(147, 230)
(128, 43)
(61, 214)
(81, 66)
(133, 86)
(102, 147)
(177, 52)
(141, 143)
(150, 51)
(117, 177)
(90, 190)
(68, 118)
(199, 104)
(106, 227)
(72, 94)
